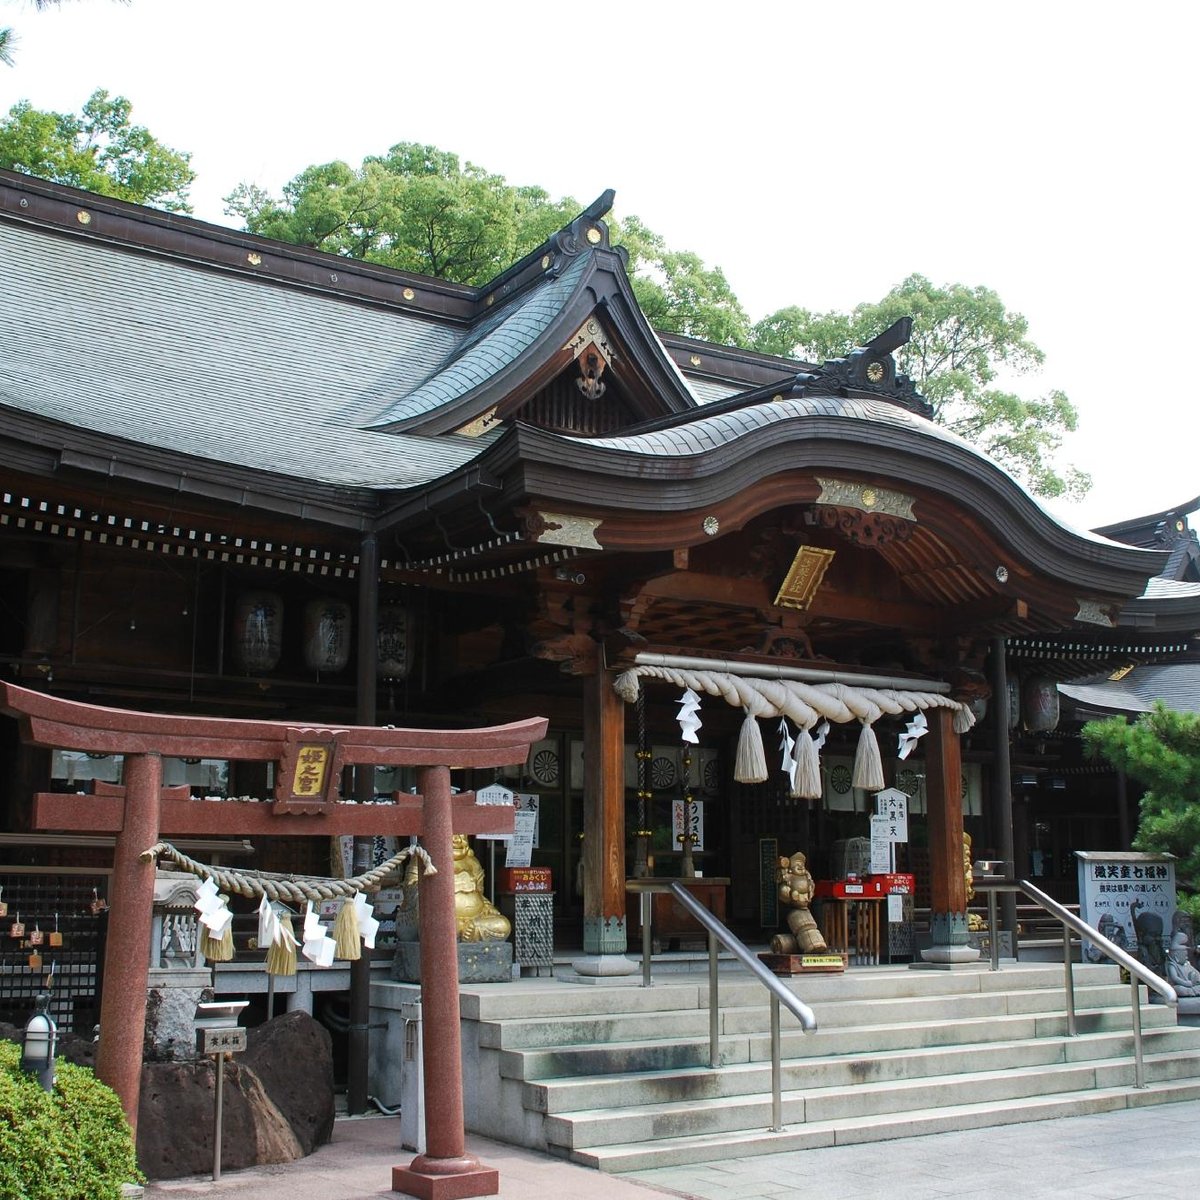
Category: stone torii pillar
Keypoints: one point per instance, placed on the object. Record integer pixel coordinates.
(309, 761)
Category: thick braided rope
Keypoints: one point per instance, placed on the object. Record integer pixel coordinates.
(804, 703)
(291, 888)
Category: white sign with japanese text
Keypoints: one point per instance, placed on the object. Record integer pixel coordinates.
(893, 804)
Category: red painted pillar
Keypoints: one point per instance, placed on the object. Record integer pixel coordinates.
(127, 954)
(445, 1171)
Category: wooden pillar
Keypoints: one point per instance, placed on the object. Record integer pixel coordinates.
(127, 953)
(358, 1040)
(445, 1170)
(948, 884)
(603, 822)
(1124, 829)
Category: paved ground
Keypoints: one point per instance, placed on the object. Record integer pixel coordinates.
(1149, 1152)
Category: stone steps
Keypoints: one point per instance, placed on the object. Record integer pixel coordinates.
(617, 1077)
(576, 1094)
(672, 1152)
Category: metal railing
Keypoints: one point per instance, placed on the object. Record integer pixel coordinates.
(718, 932)
(1138, 972)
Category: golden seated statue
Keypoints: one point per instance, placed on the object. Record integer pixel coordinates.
(477, 919)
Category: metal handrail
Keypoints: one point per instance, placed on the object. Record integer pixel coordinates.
(718, 931)
(1138, 971)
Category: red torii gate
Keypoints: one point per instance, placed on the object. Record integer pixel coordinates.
(309, 761)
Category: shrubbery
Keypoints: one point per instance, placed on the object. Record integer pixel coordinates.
(70, 1144)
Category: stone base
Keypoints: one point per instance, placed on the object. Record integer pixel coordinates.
(605, 965)
(947, 957)
(477, 1181)
(478, 962)
(826, 963)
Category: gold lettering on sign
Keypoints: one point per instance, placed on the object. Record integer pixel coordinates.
(867, 497)
(804, 577)
(309, 777)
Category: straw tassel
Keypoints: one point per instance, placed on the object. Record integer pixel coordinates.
(281, 954)
(346, 934)
(806, 783)
(751, 763)
(219, 949)
(868, 765)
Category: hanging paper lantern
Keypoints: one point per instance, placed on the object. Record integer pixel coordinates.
(258, 631)
(326, 635)
(1040, 703)
(1014, 702)
(394, 641)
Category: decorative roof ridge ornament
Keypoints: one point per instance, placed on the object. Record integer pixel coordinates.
(548, 260)
(586, 232)
(869, 371)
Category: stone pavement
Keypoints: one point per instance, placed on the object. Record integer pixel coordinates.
(1151, 1152)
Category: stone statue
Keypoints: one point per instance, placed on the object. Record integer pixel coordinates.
(796, 890)
(1181, 974)
(478, 920)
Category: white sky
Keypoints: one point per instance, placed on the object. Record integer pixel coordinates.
(818, 153)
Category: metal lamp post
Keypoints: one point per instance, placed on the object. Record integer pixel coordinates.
(41, 1038)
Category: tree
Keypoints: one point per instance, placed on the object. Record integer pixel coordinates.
(100, 151)
(963, 339)
(677, 292)
(7, 41)
(418, 208)
(1160, 750)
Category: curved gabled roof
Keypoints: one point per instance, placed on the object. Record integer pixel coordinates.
(494, 346)
(713, 458)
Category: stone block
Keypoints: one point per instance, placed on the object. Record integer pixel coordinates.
(478, 962)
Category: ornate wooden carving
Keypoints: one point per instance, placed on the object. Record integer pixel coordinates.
(870, 529)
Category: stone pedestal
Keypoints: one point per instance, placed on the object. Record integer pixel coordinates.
(173, 993)
(478, 962)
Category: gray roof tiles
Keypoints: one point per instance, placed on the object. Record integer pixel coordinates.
(1177, 685)
(495, 343)
(212, 365)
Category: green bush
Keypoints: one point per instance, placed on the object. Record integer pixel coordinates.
(70, 1144)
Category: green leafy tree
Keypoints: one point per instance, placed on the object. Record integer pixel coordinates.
(963, 339)
(1161, 751)
(678, 292)
(100, 150)
(420, 209)
(416, 208)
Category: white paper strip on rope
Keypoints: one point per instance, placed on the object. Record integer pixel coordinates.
(786, 745)
(689, 716)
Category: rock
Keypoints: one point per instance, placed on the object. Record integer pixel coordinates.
(293, 1056)
(175, 1121)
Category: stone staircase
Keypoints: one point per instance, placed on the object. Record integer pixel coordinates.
(617, 1077)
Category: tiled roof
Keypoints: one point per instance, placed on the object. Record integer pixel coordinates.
(1177, 685)
(492, 345)
(1162, 588)
(220, 367)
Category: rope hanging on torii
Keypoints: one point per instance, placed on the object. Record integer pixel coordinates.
(297, 889)
(806, 704)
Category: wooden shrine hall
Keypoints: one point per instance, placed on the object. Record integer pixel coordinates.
(250, 481)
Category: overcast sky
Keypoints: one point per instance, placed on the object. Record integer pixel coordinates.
(818, 153)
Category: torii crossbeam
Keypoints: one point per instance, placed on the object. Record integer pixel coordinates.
(308, 761)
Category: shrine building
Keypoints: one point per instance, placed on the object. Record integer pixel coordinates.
(244, 479)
